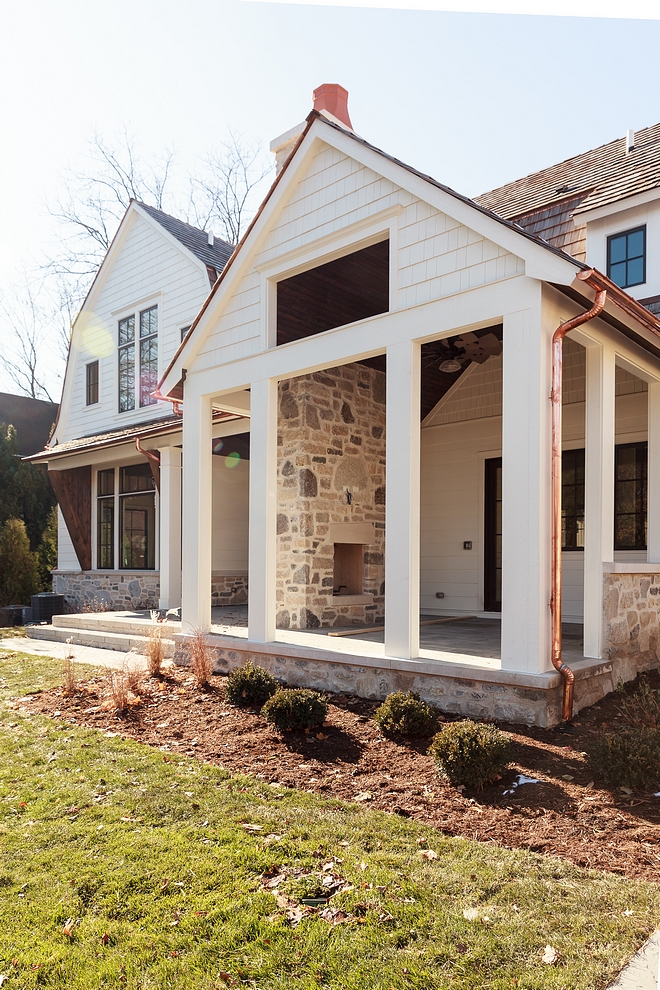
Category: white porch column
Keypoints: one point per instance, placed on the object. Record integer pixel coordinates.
(403, 396)
(170, 527)
(263, 511)
(197, 515)
(526, 496)
(653, 493)
(598, 488)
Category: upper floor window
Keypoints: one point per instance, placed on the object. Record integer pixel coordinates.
(92, 383)
(626, 257)
(138, 359)
(184, 332)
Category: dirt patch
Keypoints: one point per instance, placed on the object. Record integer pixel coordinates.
(565, 813)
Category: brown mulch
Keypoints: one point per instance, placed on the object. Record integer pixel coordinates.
(565, 813)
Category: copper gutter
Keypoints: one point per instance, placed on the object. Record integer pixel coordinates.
(154, 461)
(556, 397)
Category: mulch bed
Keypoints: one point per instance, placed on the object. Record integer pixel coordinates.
(566, 813)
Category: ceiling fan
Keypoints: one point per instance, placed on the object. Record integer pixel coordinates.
(468, 347)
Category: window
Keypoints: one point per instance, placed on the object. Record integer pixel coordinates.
(147, 359)
(184, 332)
(92, 383)
(626, 257)
(572, 499)
(630, 461)
(105, 518)
(137, 517)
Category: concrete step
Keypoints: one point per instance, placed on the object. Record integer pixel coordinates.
(102, 639)
(113, 622)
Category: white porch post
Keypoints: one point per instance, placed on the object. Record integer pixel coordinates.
(170, 527)
(526, 497)
(653, 494)
(598, 488)
(263, 511)
(197, 515)
(402, 515)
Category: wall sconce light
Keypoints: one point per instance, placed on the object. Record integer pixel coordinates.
(349, 496)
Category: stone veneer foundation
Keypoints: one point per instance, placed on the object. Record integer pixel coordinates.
(141, 589)
(331, 440)
(631, 612)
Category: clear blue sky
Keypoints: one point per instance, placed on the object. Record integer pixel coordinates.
(473, 99)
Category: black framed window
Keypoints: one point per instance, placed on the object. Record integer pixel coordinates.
(626, 257)
(92, 383)
(630, 490)
(148, 355)
(572, 499)
(127, 364)
(493, 535)
(137, 517)
(184, 332)
(138, 357)
(105, 518)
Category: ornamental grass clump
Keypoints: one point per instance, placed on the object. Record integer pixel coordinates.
(250, 686)
(470, 753)
(406, 715)
(628, 758)
(295, 708)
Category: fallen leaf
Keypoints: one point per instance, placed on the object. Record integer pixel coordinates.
(68, 927)
(567, 776)
(364, 796)
(627, 913)
(550, 955)
(470, 914)
(252, 828)
(428, 854)
(105, 938)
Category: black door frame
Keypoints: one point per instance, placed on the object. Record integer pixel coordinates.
(491, 465)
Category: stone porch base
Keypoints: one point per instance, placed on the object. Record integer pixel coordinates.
(478, 692)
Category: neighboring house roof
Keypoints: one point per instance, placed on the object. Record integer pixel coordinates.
(32, 419)
(545, 202)
(194, 239)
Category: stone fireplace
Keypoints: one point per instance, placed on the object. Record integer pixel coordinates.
(331, 499)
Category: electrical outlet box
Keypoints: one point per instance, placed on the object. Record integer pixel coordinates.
(439, 594)
(467, 544)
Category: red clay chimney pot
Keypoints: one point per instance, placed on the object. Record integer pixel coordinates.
(334, 99)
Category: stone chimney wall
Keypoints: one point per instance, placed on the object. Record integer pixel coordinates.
(331, 438)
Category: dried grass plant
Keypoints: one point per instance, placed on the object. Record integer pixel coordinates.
(96, 604)
(155, 651)
(201, 659)
(119, 690)
(69, 676)
(132, 673)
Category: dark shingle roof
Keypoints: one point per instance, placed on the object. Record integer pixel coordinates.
(32, 419)
(595, 178)
(194, 239)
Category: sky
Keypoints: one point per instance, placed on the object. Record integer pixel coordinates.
(474, 99)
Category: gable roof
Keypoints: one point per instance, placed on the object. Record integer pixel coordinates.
(193, 238)
(594, 178)
(32, 419)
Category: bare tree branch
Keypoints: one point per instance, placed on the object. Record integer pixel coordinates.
(27, 357)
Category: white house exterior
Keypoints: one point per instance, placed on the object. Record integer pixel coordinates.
(387, 344)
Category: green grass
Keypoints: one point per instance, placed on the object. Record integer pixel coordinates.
(11, 632)
(146, 853)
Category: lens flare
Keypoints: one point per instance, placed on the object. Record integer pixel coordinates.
(217, 446)
(96, 340)
(232, 459)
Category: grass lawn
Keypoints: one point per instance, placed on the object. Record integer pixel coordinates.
(121, 865)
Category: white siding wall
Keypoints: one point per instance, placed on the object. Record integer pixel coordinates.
(436, 255)
(230, 516)
(599, 230)
(66, 555)
(460, 433)
(148, 269)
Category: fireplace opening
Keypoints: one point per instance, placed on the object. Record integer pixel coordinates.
(348, 568)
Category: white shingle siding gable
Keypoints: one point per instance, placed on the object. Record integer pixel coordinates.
(436, 255)
(147, 269)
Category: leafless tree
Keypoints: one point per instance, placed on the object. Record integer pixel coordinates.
(30, 339)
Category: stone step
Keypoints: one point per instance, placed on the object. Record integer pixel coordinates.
(113, 622)
(102, 639)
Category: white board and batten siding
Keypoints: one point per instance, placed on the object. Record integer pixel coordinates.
(435, 256)
(457, 437)
(147, 270)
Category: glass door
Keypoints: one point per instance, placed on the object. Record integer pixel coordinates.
(493, 536)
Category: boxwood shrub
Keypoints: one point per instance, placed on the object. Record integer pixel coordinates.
(628, 758)
(295, 708)
(250, 685)
(406, 715)
(470, 753)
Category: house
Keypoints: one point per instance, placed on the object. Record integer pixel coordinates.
(393, 352)
(32, 419)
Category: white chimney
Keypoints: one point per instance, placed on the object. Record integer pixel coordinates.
(210, 238)
(630, 141)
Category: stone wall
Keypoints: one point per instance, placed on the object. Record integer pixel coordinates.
(128, 590)
(631, 609)
(229, 589)
(331, 438)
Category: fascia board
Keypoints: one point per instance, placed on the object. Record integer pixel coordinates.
(620, 206)
(540, 262)
(272, 206)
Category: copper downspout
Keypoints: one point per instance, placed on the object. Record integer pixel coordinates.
(154, 461)
(556, 396)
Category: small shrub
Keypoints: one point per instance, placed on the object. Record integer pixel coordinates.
(470, 753)
(96, 604)
(201, 659)
(133, 675)
(295, 708)
(628, 758)
(119, 690)
(250, 685)
(642, 706)
(155, 651)
(406, 715)
(19, 578)
(69, 677)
